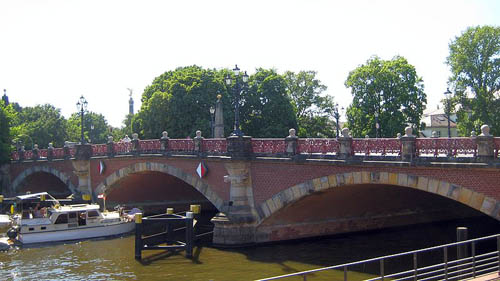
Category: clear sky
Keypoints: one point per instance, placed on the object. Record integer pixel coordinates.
(54, 51)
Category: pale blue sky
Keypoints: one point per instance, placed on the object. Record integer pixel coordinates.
(55, 51)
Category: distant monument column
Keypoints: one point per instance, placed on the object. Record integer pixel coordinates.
(130, 103)
(219, 119)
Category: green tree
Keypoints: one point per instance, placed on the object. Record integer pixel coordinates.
(95, 128)
(312, 109)
(390, 88)
(41, 124)
(267, 110)
(474, 61)
(5, 138)
(178, 101)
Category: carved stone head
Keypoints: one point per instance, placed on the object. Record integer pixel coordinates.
(485, 130)
(291, 132)
(135, 136)
(409, 132)
(164, 135)
(198, 134)
(345, 133)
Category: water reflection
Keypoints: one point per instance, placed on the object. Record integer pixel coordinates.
(113, 259)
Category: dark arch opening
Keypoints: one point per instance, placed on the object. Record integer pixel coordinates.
(44, 182)
(154, 192)
(362, 207)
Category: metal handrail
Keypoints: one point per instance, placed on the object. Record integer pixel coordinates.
(447, 269)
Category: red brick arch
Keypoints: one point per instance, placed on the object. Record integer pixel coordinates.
(483, 203)
(108, 184)
(45, 169)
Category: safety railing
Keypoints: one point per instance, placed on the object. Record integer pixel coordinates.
(390, 147)
(451, 267)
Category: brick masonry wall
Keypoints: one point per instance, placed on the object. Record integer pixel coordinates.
(270, 178)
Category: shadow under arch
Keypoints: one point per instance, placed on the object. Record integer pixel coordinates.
(485, 204)
(44, 169)
(198, 184)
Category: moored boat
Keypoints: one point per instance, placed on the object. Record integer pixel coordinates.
(41, 218)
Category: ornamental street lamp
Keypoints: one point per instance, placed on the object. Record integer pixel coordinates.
(237, 92)
(377, 125)
(447, 108)
(212, 120)
(82, 107)
(336, 114)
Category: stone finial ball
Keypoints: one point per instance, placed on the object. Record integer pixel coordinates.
(485, 130)
(345, 132)
(198, 134)
(398, 135)
(408, 131)
(291, 132)
(473, 134)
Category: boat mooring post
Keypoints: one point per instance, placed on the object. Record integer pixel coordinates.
(189, 234)
(138, 236)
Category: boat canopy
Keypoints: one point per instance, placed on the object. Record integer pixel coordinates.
(36, 196)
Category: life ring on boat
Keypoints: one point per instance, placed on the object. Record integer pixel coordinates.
(57, 206)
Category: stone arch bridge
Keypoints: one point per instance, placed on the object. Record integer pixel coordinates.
(278, 189)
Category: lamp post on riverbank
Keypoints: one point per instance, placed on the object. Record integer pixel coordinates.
(237, 92)
(81, 105)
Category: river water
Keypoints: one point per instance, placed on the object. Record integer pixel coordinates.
(113, 259)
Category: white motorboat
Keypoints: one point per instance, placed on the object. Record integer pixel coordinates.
(43, 219)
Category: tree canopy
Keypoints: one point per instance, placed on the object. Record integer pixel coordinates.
(390, 88)
(95, 128)
(5, 137)
(178, 101)
(474, 61)
(41, 125)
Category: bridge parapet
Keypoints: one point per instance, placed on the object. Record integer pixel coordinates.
(434, 149)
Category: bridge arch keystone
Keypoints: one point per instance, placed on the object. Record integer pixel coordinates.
(478, 201)
(198, 184)
(37, 169)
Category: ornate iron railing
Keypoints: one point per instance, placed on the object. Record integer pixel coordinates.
(425, 147)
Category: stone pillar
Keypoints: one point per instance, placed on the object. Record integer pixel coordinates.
(345, 150)
(5, 180)
(50, 152)
(291, 143)
(136, 148)
(219, 119)
(485, 145)
(110, 147)
(236, 226)
(164, 142)
(21, 152)
(198, 143)
(240, 147)
(83, 151)
(408, 145)
(82, 171)
(36, 153)
(67, 153)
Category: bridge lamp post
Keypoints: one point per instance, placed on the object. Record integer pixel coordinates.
(336, 114)
(212, 120)
(237, 92)
(447, 109)
(81, 105)
(377, 125)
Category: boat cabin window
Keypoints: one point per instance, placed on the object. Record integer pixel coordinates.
(62, 218)
(92, 214)
(72, 215)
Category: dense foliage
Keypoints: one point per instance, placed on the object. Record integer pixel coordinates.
(4, 134)
(474, 61)
(390, 88)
